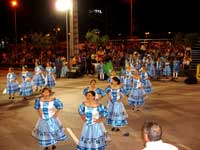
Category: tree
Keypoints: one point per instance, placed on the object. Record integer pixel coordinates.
(41, 43)
(94, 38)
(104, 40)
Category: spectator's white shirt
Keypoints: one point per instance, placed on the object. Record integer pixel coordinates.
(159, 145)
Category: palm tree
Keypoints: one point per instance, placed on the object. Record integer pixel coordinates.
(94, 38)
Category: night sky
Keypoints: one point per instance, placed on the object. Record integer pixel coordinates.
(148, 15)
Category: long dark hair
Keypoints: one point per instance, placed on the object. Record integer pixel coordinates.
(116, 79)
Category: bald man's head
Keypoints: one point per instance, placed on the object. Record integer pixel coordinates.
(153, 131)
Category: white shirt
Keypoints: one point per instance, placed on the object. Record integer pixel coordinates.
(159, 145)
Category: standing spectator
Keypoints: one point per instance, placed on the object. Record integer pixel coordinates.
(64, 68)
(186, 64)
(167, 69)
(108, 67)
(158, 68)
(89, 65)
(58, 65)
(100, 70)
(152, 133)
(12, 84)
(176, 68)
(100, 54)
(48, 129)
(122, 59)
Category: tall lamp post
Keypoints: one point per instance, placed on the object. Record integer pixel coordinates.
(131, 25)
(14, 4)
(66, 6)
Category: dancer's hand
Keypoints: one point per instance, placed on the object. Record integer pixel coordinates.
(98, 120)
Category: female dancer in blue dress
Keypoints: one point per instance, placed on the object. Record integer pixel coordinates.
(92, 113)
(137, 94)
(117, 116)
(112, 74)
(50, 76)
(145, 81)
(92, 87)
(38, 78)
(48, 129)
(12, 84)
(151, 69)
(99, 94)
(127, 80)
(26, 86)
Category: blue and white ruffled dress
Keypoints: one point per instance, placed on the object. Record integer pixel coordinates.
(146, 83)
(12, 85)
(151, 69)
(38, 78)
(26, 88)
(117, 115)
(48, 129)
(136, 97)
(98, 92)
(92, 136)
(50, 80)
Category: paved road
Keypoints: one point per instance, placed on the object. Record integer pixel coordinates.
(174, 105)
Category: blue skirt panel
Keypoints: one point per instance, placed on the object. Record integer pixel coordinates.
(49, 132)
(117, 116)
(26, 89)
(12, 88)
(92, 138)
(136, 97)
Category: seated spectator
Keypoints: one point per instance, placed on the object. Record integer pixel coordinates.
(152, 133)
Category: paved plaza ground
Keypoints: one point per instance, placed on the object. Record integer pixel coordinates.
(174, 105)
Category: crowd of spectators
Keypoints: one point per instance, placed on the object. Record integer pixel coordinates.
(118, 53)
(88, 55)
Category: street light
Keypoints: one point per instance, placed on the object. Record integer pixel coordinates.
(65, 6)
(14, 4)
(131, 31)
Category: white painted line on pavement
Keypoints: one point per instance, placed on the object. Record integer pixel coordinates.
(73, 136)
(183, 146)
